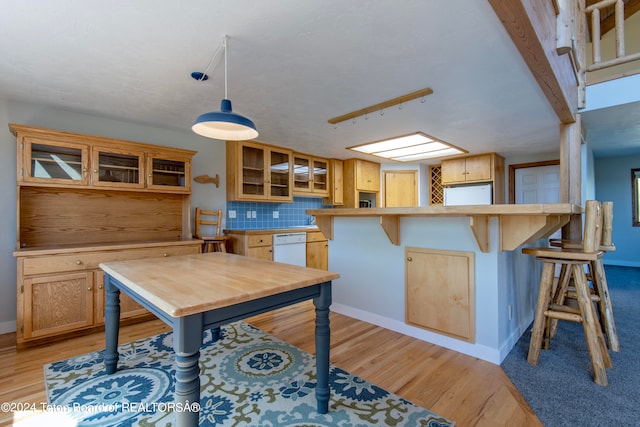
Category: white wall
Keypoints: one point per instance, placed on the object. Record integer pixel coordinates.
(209, 160)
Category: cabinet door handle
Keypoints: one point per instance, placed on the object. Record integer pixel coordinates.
(165, 254)
(100, 287)
(95, 171)
(89, 288)
(78, 262)
(409, 259)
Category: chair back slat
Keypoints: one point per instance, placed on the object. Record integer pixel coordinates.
(607, 223)
(208, 218)
(592, 226)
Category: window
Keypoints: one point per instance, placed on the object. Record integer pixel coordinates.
(635, 195)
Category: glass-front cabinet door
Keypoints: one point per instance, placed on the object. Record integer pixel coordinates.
(252, 175)
(168, 174)
(259, 172)
(320, 181)
(54, 162)
(117, 168)
(310, 176)
(280, 175)
(301, 175)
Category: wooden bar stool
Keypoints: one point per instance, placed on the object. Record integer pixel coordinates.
(596, 274)
(215, 242)
(574, 261)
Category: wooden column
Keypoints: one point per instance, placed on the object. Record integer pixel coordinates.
(571, 174)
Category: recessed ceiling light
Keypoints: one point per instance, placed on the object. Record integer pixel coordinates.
(406, 148)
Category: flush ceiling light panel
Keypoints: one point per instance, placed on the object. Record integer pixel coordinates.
(406, 148)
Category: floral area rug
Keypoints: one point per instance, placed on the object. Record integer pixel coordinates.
(247, 378)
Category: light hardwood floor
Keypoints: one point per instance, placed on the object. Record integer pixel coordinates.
(469, 391)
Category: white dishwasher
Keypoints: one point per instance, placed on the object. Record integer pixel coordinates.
(290, 248)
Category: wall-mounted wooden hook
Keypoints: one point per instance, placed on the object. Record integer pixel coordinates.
(205, 179)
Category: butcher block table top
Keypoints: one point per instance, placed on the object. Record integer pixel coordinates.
(184, 285)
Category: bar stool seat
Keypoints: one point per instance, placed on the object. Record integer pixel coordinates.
(547, 309)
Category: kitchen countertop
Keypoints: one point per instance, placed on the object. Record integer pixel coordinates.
(92, 247)
(293, 229)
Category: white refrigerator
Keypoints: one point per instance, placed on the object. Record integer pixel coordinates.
(468, 195)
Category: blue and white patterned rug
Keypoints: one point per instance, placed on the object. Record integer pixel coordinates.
(248, 378)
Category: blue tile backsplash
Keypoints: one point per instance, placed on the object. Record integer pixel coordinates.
(289, 214)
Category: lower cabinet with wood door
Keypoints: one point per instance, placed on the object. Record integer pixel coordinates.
(61, 291)
(259, 244)
(317, 250)
(440, 292)
(252, 243)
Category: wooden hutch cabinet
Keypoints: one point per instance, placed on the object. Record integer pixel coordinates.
(259, 172)
(83, 200)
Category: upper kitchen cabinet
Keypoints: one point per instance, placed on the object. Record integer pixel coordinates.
(51, 158)
(259, 172)
(310, 176)
(476, 169)
(336, 183)
(361, 183)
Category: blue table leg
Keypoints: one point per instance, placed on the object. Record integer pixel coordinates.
(111, 325)
(323, 343)
(187, 340)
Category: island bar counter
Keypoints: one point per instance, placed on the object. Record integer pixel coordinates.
(518, 223)
(370, 249)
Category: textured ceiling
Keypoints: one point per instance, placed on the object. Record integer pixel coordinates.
(292, 66)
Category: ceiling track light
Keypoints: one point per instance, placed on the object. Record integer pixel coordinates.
(224, 124)
(382, 105)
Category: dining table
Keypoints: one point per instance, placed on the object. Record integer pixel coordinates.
(193, 293)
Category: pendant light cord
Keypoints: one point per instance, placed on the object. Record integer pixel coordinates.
(224, 45)
(213, 60)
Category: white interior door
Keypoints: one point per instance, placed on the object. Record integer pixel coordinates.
(540, 184)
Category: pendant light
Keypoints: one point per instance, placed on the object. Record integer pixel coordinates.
(224, 124)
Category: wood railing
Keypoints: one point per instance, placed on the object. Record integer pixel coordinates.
(571, 36)
(593, 12)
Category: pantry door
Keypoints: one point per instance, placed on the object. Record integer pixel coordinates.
(400, 188)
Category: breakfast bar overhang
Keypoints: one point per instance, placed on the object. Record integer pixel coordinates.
(368, 248)
(519, 224)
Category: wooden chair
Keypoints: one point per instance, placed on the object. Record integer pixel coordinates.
(575, 261)
(215, 242)
(596, 275)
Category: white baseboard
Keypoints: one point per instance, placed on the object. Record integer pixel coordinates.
(480, 351)
(7, 327)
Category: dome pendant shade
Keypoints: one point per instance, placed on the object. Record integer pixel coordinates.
(225, 124)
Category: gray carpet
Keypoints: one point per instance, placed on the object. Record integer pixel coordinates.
(560, 389)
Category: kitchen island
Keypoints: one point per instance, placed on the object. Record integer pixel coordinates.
(368, 247)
